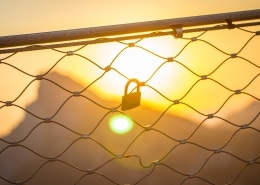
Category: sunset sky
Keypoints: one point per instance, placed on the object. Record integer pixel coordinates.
(28, 16)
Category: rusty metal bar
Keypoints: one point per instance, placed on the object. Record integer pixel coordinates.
(103, 31)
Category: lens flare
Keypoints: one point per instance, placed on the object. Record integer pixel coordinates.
(120, 124)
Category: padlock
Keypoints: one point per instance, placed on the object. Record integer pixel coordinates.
(131, 100)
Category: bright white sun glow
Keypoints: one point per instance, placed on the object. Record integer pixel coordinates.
(120, 124)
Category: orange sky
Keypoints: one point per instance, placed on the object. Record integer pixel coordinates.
(29, 16)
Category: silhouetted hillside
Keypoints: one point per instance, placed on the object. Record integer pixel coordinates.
(68, 118)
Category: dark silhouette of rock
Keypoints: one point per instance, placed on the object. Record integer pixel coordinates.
(74, 137)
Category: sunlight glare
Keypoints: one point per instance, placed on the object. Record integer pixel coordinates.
(120, 124)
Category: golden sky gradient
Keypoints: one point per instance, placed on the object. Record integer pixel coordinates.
(30, 16)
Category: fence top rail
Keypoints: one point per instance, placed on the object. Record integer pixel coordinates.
(92, 32)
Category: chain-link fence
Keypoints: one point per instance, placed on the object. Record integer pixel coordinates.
(197, 122)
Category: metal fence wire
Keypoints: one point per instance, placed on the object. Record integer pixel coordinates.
(198, 121)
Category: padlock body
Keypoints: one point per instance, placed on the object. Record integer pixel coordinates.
(131, 100)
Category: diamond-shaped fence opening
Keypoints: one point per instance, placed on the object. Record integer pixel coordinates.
(197, 123)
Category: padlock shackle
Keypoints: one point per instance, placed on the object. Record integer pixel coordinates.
(130, 81)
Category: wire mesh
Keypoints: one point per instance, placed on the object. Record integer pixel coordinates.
(63, 134)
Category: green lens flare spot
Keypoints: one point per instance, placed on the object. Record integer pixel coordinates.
(120, 124)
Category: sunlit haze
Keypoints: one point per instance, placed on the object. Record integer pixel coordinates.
(133, 62)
